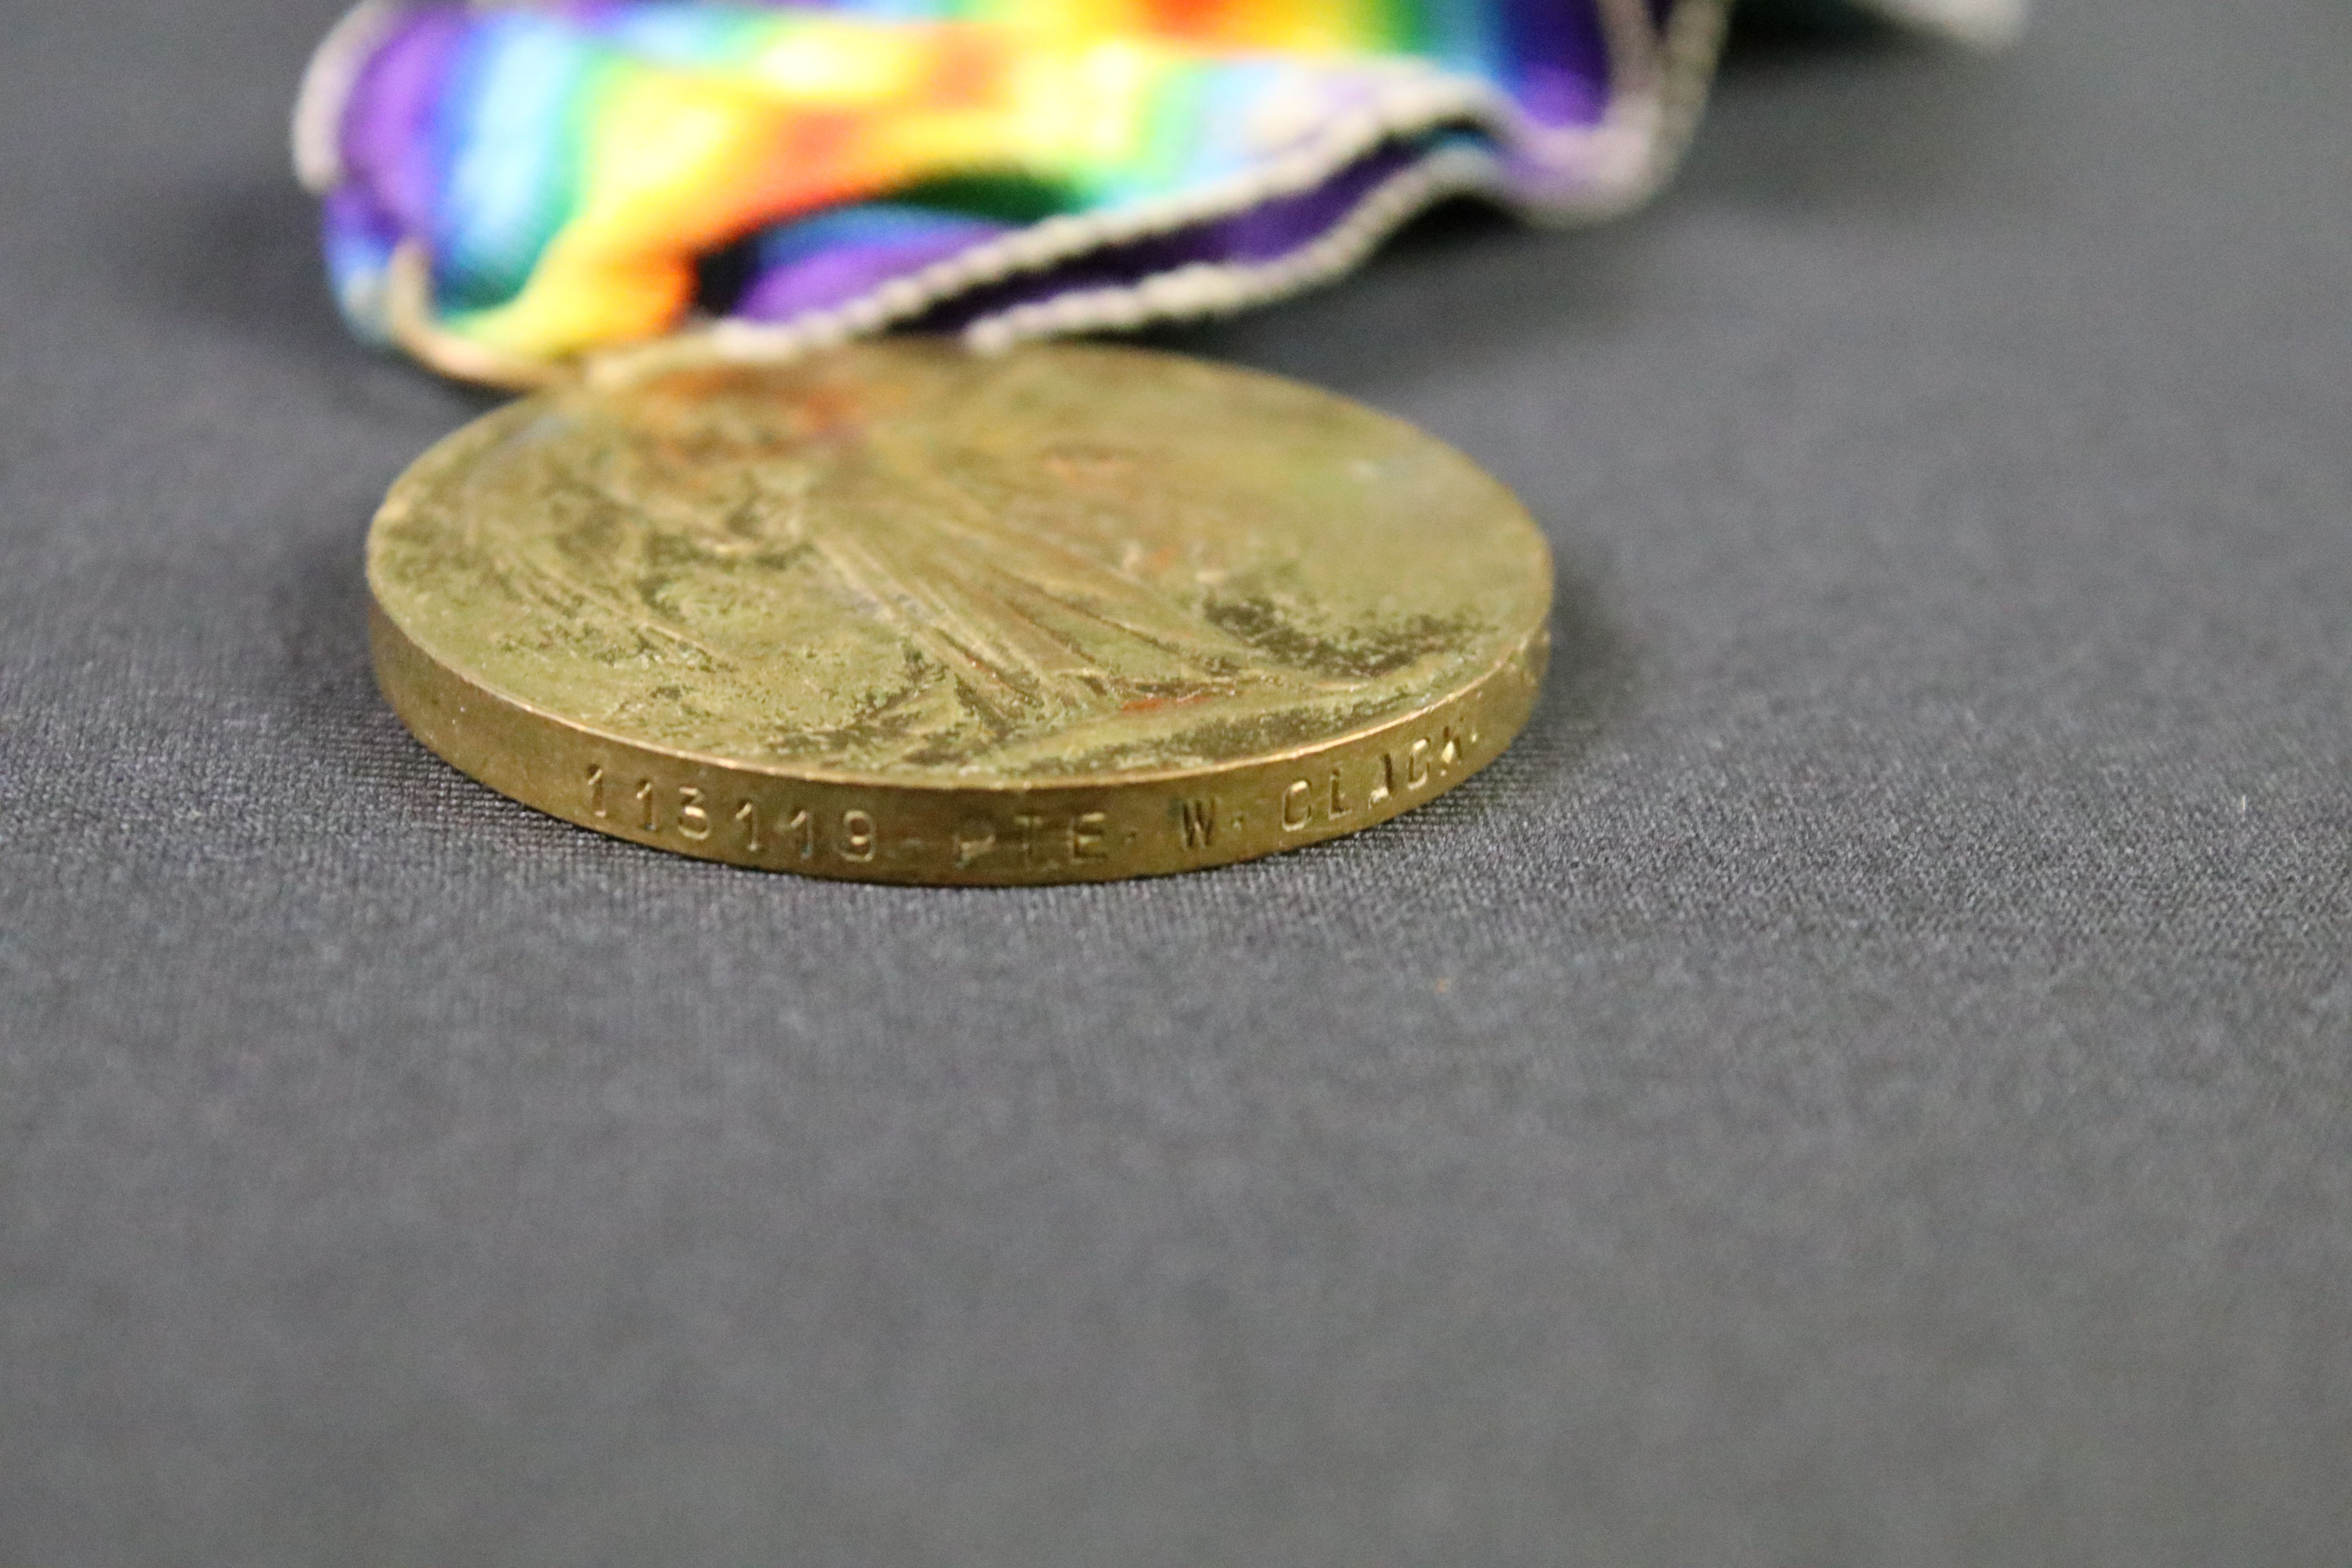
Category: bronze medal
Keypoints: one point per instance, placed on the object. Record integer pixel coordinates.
(902, 613)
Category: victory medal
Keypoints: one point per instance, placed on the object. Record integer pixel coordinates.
(905, 612)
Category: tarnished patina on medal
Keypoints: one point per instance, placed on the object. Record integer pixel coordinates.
(904, 613)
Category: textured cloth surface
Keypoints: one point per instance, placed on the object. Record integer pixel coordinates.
(1866, 1080)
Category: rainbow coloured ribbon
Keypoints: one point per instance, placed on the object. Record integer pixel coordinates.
(508, 187)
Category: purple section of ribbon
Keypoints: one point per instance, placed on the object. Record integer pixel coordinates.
(850, 271)
(1266, 233)
(1563, 61)
(391, 133)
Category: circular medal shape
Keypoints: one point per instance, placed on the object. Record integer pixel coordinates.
(905, 614)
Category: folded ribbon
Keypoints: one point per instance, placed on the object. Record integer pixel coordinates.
(507, 187)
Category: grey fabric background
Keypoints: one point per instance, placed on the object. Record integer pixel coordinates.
(1866, 1081)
